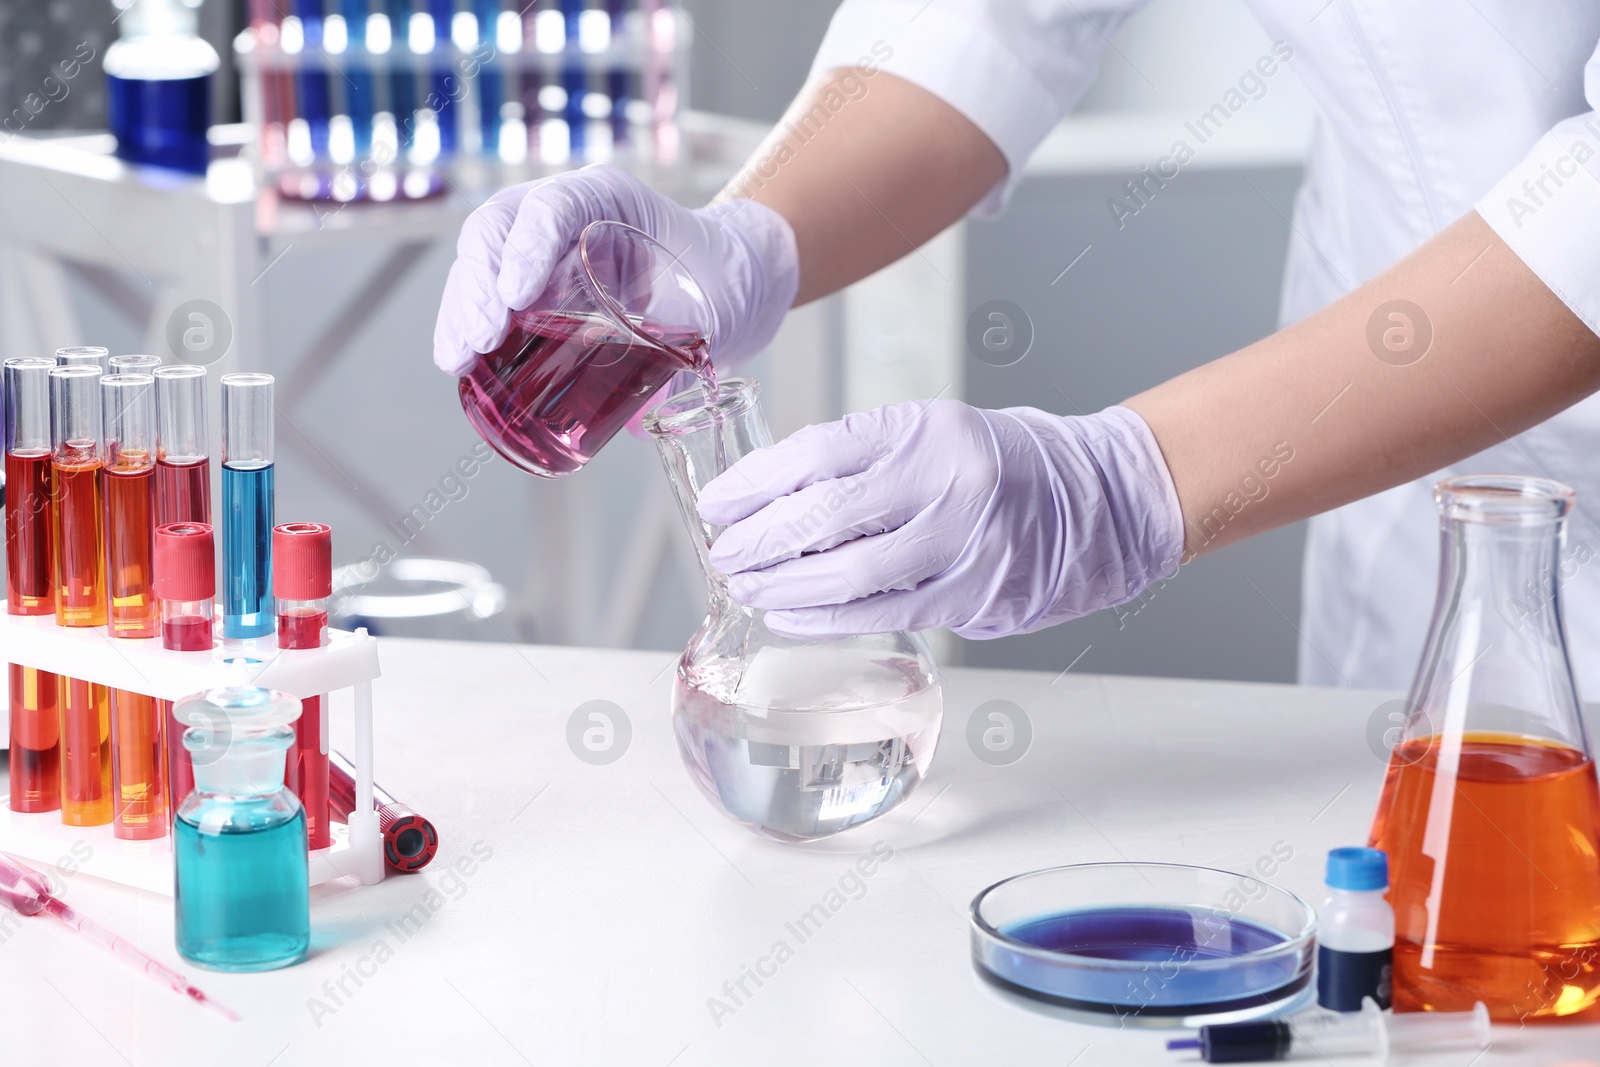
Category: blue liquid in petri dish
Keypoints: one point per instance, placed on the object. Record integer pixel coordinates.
(247, 606)
(1183, 956)
(241, 894)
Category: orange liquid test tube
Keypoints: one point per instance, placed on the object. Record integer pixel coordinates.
(30, 583)
(78, 543)
(129, 459)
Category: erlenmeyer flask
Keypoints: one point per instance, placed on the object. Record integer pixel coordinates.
(1489, 812)
(794, 739)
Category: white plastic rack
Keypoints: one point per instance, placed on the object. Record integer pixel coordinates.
(347, 661)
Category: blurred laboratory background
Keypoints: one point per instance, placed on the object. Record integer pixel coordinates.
(334, 290)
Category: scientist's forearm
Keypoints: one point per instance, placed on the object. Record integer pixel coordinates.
(866, 167)
(1356, 398)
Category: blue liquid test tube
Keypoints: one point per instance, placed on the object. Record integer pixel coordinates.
(247, 505)
(530, 79)
(489, 83)
(574, 79)
(617, 81)
(360, 92)
(312, 79)
(445, 86)
(402, 76)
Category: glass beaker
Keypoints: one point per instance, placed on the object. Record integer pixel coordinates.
(794, 739)
(619, 317)
(239, 843)
(1489, 810)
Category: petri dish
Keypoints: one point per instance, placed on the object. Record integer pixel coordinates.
(1154, 945)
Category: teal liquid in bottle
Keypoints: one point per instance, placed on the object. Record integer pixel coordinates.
(239, 841)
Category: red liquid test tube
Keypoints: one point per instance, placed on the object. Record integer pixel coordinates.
(78, 542)
(128, 455)
(185, 584)
(302, 581)
(409, 840)
(183, 463)
(30, 582)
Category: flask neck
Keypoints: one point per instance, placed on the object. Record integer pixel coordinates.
(688, 434)
(1496, 660)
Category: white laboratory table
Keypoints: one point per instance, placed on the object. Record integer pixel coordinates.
(589, 914)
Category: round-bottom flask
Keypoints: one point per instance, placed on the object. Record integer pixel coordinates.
(239, 841)
(796, 740)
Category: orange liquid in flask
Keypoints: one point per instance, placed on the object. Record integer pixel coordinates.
(1495, 880)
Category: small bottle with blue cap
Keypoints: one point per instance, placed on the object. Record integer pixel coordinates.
(1355, 931)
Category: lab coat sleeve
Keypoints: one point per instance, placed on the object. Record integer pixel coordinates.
(1548, 208)
(1014, 67)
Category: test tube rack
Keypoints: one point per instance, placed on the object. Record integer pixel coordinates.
(347, 661)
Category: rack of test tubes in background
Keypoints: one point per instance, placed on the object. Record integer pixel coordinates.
(376, 99)
(113, 612)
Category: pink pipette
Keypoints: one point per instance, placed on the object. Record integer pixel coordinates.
(26, 892)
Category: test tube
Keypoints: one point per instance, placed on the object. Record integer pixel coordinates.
(133, 364)
(490, 80)
(302, 581)
(575, 80)
(30, 589)
(183, 458)
(78, 544)
(409, 840)
(275, 86)
(360, 97)
(312, 81)
(82, 355)
(402, 79)
(531, 79)
(128, 456)
(185, 583)
(247, 497)
(445, 86)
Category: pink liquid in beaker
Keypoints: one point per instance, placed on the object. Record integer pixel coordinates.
(563, 384)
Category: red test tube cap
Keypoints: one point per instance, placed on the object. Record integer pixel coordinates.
(302, 561)
(185, 562)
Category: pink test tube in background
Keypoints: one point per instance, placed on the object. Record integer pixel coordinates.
(186, 585)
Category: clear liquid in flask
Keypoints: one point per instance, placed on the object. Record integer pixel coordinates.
(821, 762)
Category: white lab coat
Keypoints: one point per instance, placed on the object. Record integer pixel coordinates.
(1425, 111)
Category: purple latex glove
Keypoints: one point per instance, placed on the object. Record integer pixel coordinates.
(934, 513)
(742, 254)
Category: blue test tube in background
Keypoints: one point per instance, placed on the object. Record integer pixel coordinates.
(360, 94)
(617, 85)
(491, 91)
(402, 76)
(531, 79)
(445, 86)
(574, 79)
(313, 79)
(247, 511)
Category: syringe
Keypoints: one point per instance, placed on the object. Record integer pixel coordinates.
(25, 891)
(1318, 1035)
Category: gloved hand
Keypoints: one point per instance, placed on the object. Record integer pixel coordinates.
(742, 254)
(934, 513)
